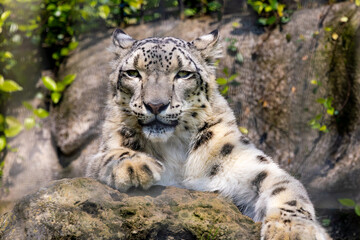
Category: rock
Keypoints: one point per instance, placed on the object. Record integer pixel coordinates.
(32, 163)
(86, 209)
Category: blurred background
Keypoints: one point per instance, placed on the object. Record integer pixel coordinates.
(290, 70)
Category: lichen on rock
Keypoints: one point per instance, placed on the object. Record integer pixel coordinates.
(84, 208)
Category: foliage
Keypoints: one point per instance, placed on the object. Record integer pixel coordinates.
(225, 82)
(316, 122)
(57, 88)
(271, 12)
(347, 202)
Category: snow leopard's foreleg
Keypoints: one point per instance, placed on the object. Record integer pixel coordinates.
(225, 161)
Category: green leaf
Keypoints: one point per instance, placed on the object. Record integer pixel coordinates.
(226, 71)
(243, 130)
(2, 119)
(347, 202)
(2, 143)
(325, 222)
(330, 111)
(28, 106)
(221, 81)
(29, 123)
(104, 11)
(328, 29)
(271, 20)
(1, 79)
(49, 83)
(68, 79)
(314, 82)
(263, 21)
(64, 52)
(5, 15)
(60, 86)
(235, 24)
(73, 45)
(323, 128)
(41, 113)
(225, 90)
(357, 209)
(10, 86)
(232, 77)
(55, 56)
(55, 97)
(14, 127)
(357, 3)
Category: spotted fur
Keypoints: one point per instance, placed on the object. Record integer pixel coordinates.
(167, 124)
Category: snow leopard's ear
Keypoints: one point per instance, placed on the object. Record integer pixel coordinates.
(121, 39)
(209, 46)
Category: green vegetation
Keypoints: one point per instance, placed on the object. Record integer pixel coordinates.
(347, 202)
(57, 88)
(271, 12)
(226, 81)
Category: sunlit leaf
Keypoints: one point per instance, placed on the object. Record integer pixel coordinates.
(10, 86)
(344, 19)
(357, 3)
(55, 97)
(221, 81)
(323, 128)
(1, 79)
(14, 127)
(104, 11)
(280, 9)
(225, 90)
(5, 15)
(314, 82)
(235, 24)
(29, 123)
(41, 113)
(335, 36)
(64, 52)
(330, 111)
(28, 106)
(73, 45)
(68, 79)
(49, 83)
(2, 143)
(243, 130)
(328, 29)
(232, 77)
(346, 202)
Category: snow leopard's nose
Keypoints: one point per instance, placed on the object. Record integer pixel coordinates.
(156, 108)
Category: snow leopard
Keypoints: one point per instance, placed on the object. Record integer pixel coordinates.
(167, 124)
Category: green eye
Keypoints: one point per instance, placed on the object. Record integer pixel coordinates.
(183, 74)
(133, 73)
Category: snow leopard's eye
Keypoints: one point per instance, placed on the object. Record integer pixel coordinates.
(133, 73)
(184, 74)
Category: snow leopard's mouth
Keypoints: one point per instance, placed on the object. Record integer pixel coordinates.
(157, 129)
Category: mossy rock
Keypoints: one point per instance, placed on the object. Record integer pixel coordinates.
(86, 209)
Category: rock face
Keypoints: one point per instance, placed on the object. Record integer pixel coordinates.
(86, 209)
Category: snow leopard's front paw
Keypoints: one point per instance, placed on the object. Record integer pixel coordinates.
(139, 170)
(292, 227)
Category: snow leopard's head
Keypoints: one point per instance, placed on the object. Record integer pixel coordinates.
(164, 82)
